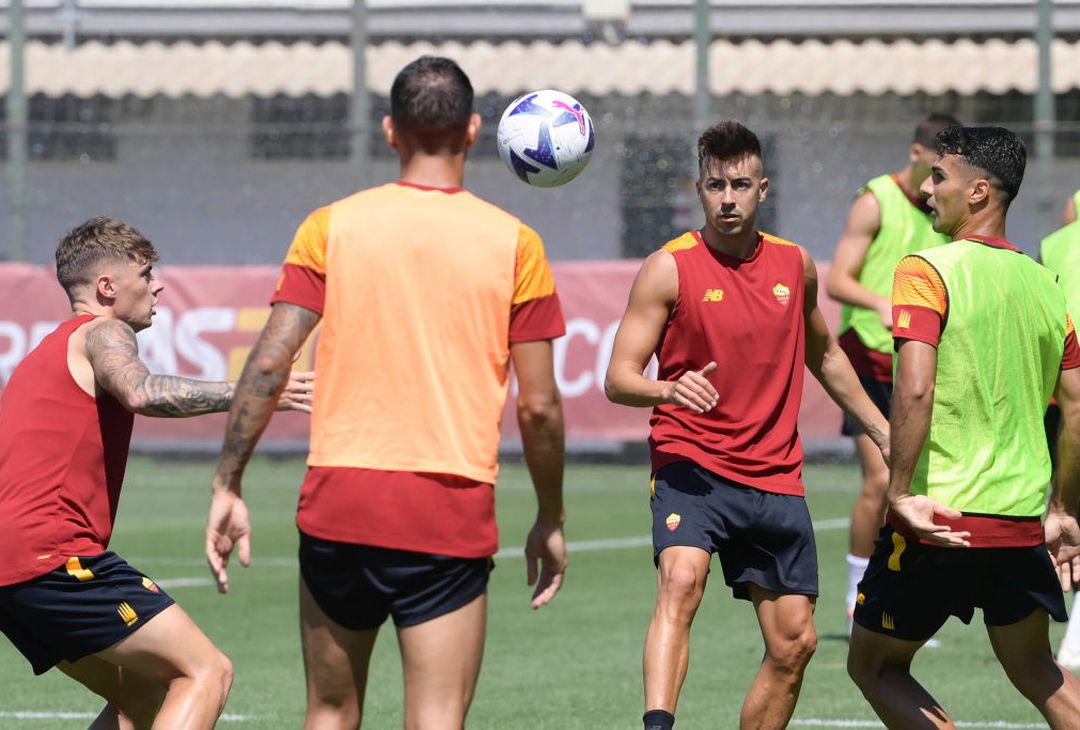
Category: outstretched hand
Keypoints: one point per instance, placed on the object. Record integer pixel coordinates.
(545, 561)
(693, 390)
(298, 393)
(227, 526)
(918, 512)
(1062, 535)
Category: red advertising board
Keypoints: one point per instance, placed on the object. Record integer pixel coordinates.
(208, 318)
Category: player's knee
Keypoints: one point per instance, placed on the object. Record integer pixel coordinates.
(874, 484)
(215, 676)
(681, 587)
(223, 671)
(793, 653)
(334, 716)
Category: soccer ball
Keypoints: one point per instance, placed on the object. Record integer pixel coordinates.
(546, 137)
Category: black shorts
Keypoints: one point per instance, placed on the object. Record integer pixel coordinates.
(880, 393)
(762, 538)
(909, 589)
(78, 610)
(358, 586)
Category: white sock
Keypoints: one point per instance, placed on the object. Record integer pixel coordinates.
(1072, 633)
(855, 568)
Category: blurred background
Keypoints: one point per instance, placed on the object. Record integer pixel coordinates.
(216, 126)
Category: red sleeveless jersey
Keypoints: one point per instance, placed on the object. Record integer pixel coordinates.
(62, 460)
(747, 315)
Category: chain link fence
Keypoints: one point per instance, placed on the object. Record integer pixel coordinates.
(226, 180)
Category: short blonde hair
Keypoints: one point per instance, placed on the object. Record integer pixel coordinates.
(95, 242)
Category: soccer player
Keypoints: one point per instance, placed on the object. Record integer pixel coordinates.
(65, 425)
(887, 221)
(732, 315)
(1060, 252)
(427, 294)
(983, 340)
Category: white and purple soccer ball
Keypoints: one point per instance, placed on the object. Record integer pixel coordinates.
(546, 137)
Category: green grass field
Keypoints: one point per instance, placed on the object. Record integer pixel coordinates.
(573, 664)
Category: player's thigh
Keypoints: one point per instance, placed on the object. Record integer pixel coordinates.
(336, 658)
(1023, 644)
(869, 652)
(786, 620)
(167, 647)
(690, 508)
(441, 660)
(776, 551)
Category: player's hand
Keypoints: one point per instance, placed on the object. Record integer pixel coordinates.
(227, 526)
(885, 312)
(1062, 535)
(545, 560)
(297, 395)
(918, 511)
(692, 390)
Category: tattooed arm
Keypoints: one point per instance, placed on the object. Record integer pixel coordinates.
(113, 353)
(256, 395)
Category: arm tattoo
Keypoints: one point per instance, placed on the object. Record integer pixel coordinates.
(114, 354)
(260, 385)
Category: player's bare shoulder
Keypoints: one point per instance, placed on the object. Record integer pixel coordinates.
(96, 345)
(658, 278)
(103, 336)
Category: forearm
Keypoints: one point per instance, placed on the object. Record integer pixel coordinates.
(170, 396)
(627, 386)
(847, 290)
(254, 402)
(839, 380)
(542, 438)
(910, 421)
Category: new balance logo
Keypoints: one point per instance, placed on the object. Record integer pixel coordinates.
(904, 320)
(127, 613)
(887, 622)
(713, 295)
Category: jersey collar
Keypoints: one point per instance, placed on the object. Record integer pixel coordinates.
(449, 191)
(914, 198)
(993, 242)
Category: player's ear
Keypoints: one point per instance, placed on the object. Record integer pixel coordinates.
(472, 130)
(915, 153)
(105, 288)
(763, 189)
(389, 133)
(979, 192)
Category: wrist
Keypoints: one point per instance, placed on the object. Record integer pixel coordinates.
(551, 518)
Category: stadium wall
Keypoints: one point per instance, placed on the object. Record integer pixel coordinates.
(209, 317)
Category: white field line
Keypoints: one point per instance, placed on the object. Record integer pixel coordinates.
(582, 546)
(975, 725)
(33, 715)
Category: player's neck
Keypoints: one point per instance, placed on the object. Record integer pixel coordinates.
(740, 245)
(908, 183)
(433, 171)
(988, 226)
(80, 308)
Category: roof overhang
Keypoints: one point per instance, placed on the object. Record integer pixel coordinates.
(531, 19)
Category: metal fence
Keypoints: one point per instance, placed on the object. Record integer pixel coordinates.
(226, 180)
